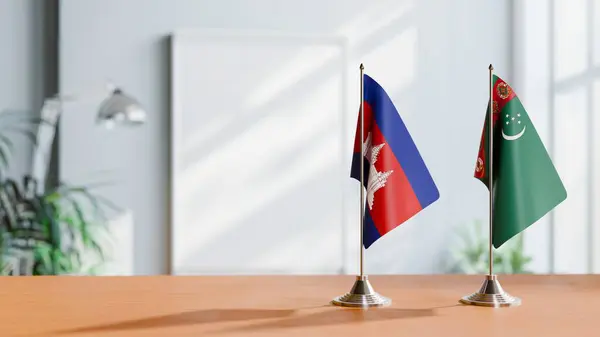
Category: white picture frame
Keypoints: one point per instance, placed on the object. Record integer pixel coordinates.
(286, 106)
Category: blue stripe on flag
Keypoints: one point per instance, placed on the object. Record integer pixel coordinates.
(396, 134)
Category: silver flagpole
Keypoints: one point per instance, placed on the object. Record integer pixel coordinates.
(362, 294)
(491, 293)
(491, 167)
(362, 168)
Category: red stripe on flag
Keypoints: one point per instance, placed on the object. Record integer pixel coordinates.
(396, 202)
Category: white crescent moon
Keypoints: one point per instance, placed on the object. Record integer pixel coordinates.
(515, 137)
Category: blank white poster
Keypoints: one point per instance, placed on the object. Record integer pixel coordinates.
(257, 153)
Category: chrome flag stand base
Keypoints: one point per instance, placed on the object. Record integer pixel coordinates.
(362, 295)
(491, 294)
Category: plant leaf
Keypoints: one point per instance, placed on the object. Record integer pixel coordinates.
(43, 253)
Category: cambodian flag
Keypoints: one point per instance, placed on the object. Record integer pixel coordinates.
(397, 181)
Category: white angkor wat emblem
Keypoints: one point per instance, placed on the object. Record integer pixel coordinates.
(376, 179)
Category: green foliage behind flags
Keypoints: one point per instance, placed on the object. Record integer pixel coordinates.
(471, 255)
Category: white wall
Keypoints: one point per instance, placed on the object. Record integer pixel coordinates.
(557, 54)
(431, 56)
(23, 57)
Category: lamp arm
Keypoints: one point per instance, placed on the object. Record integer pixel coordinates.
(50, 113)
(85, 95)
(46, 132)
(117, 106)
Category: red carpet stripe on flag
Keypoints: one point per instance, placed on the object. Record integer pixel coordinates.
(501, 101)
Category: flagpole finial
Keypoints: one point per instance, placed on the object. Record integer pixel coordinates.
(362, 67)
(491, 67)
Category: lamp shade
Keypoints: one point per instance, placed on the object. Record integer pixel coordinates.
(122, 109)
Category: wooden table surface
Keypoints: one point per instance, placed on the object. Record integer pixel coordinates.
(169, 306)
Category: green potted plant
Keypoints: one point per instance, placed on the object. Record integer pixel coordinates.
(61, 231)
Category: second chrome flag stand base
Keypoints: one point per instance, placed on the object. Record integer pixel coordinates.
(491, 293)
(362, 294)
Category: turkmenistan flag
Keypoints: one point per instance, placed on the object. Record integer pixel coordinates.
(526, 184)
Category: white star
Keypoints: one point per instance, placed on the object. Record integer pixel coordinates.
(376, 179)
(507, 123)
(507, 116)
(513, 118)
(518, 115)
(519, 122)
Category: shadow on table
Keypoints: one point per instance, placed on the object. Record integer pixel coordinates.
(276, 318)
(186, 318)
(335, 316)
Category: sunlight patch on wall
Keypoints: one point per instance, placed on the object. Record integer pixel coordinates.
(571, 38)
(394, 63)
(571, 161)
(375, 16)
